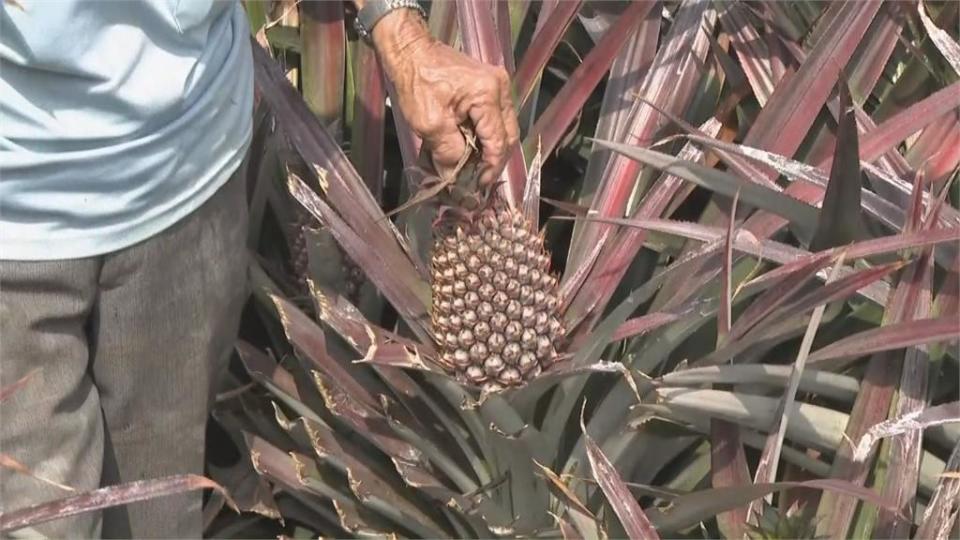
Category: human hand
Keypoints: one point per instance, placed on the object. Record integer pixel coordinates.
(439, 90)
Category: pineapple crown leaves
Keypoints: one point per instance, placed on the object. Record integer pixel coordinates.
(431, 186)
(459, 192)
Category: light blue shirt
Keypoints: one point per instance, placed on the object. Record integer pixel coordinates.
(117, 119)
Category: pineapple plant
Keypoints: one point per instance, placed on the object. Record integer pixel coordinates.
(691, 345)
(761, 274)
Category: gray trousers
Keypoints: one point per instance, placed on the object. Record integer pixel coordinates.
(128, 347)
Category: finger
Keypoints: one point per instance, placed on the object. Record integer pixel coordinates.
(488, 125)
(447, 147)
(493, 137)
(509, 113)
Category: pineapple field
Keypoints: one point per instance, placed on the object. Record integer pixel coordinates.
(715, 292)
(719, 266)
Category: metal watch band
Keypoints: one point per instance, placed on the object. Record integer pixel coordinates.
(374, 10)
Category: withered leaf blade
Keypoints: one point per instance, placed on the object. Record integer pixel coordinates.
(108, 497)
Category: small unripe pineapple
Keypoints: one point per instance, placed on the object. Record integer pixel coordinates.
(495, 307)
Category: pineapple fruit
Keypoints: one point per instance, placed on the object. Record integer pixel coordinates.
(350, 277)
(495, 307)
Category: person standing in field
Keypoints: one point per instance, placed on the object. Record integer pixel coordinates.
(123, 131)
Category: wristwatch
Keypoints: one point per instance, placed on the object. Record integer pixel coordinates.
(374, 10)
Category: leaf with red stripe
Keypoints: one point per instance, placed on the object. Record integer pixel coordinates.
(634, 521)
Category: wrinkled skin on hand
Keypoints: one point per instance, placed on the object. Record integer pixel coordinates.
(440, 89)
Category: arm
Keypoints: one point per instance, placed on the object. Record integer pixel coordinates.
(439, 89)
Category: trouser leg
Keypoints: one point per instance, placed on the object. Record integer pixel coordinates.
(53, 423)
(164, 326)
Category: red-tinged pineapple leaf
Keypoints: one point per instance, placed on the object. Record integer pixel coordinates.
(443, 21)
(529, 109)
(107, 497)
(365, 422)
(611, 256)
(786, 286)
(691, 231)
(868, 248)
(682, 48)
(840, 289)
(840, 215)
(836, 290)
(899, 127)
(399, 282)
(265, 370)
(323, 58)
(530, 205)
(770, 457)
(271, 462)
(546, 8)
(798, 99)
(618, 495)
(505, 35)
(567, 529)
(369, 109)
(787, 117)
(936, 151)
(368, 484)
(591, 294)
(723, 150)
(792, 259)
(627, 72)
(873, 403)
(308, 338)
(568, 102)
(478, 32)
(887, 338)
(757, 195)
(410, 143)
(429, 190)
(572, 282)
(15, 386)
(943, 41)
(384, 350)
(884, 210)
(298, 473)
(751, 50)
(541, 48)
(947, 301)
(314, 143)
(250, 491)
(9, 462)
(869, 62)
(643, 324)
(728, 469)
(358, 214)
(940, 515)
(946, 413)
(724, 314)
(905, 451)
(728, 462)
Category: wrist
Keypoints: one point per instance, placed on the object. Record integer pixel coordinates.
(399, 35)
